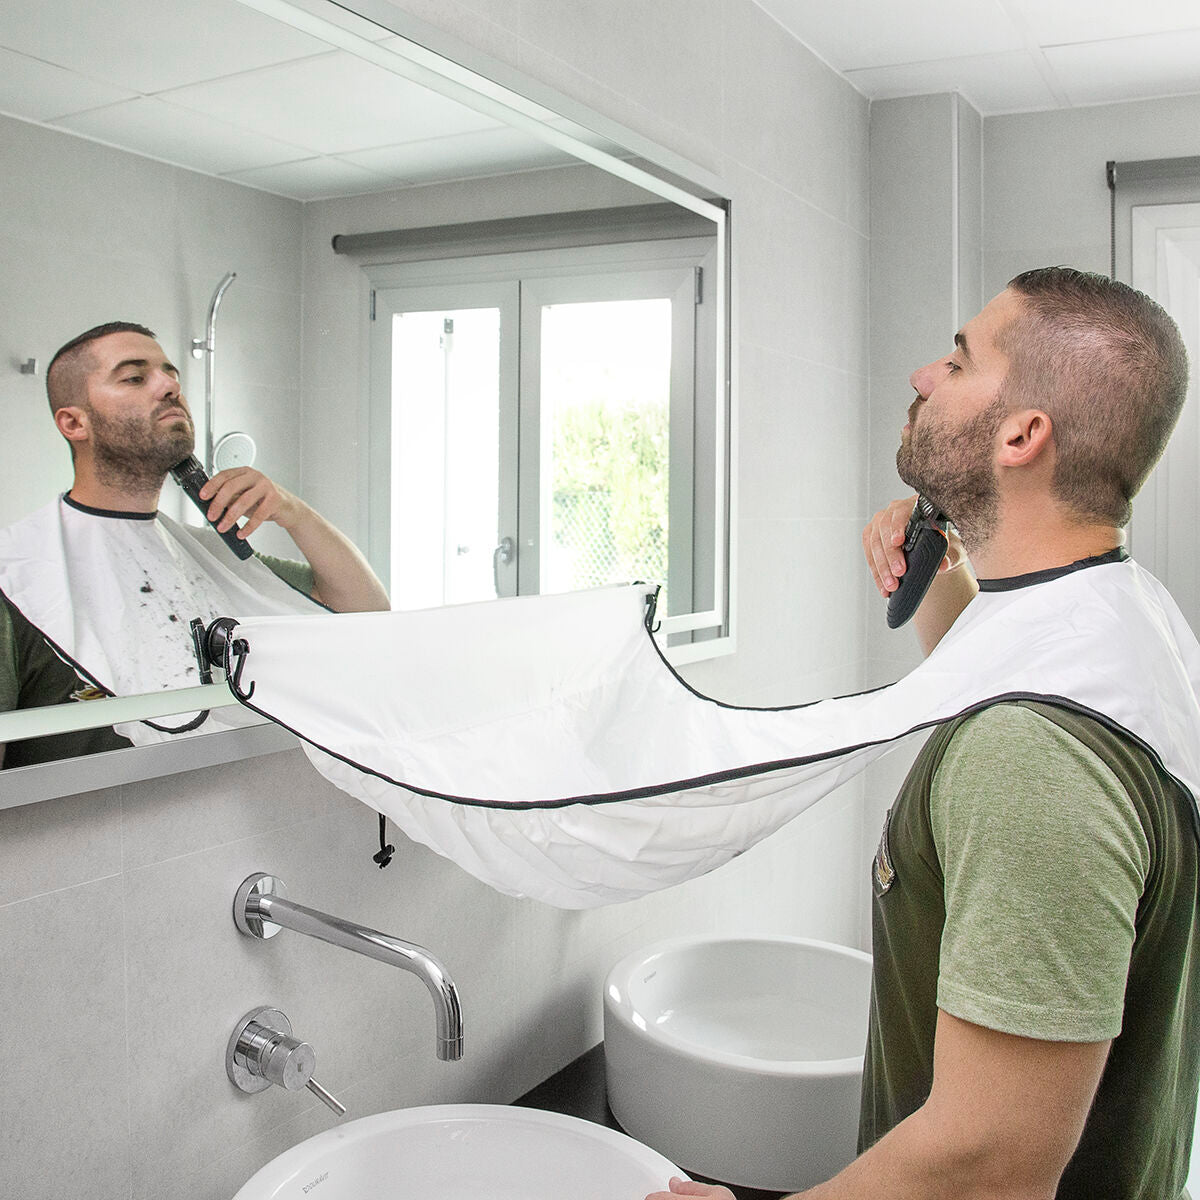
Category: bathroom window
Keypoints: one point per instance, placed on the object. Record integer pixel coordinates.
(540, 424)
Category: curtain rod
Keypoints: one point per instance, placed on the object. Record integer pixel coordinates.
(1144, 170)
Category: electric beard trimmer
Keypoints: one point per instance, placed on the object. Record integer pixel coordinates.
(925, 541)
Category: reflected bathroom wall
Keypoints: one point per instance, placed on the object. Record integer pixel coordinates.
(91, 234)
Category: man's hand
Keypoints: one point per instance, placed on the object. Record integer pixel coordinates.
(883, 537)
(244, 492)
(342, 578)
(882, 540)
(686, 1187)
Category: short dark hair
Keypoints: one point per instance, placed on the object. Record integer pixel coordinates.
(68, 367)
(1109, 367)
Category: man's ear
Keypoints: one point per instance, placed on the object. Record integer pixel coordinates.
(1024, 437)
(72, 423)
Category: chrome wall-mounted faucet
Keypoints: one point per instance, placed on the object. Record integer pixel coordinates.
(259, 910)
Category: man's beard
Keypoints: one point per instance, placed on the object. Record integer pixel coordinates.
(953, 469)
(135, 454)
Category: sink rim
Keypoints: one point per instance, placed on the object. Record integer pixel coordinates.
(307, 1154)
(619, 1007)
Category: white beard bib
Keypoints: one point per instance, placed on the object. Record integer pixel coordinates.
(545, 745)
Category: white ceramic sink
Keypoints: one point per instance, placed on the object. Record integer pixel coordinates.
(740, 1058)
(463, 1152)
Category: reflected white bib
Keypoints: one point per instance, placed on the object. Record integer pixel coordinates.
(117, 594)
(545, 745)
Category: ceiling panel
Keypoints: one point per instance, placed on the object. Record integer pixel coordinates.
(38, 91)
(872, 33)
(992, 83)
(291, 103)
(487, 152)
(1128, 68)
(149, 45)
(314, 179)
(151, 127)
(1058, 22)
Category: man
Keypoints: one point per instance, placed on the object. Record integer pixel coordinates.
(112, 582)
(1036, 1004)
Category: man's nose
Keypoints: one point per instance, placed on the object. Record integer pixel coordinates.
(167, 384)
(923, 378)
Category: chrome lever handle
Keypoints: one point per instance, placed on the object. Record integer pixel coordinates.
(262, 1052)
(325, 1098)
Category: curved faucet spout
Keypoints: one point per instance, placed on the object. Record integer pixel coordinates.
(260, 911)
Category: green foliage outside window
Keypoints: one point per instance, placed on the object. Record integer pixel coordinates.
(611, 491)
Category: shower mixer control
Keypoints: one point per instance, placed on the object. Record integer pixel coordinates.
(262, 1052)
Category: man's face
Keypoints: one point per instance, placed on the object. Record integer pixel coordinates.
(947, 448)
(138, 417)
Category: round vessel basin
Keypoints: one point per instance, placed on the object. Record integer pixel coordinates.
(740, 1058)
(463, 1152)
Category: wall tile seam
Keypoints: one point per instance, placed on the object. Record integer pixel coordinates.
(747, 343)
(870, 431)
(305, 393)
(845, 518)
(850, 90)
(131, 1041)
(252, 385)
(612, 110)
(901, 660)
(863, 235)
(246, 281)
(265, 831)
(69, 887)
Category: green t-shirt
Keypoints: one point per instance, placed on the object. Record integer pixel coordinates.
(31, 676)
(1003, 850)
(1038, 875)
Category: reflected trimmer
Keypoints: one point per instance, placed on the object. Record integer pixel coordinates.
(190, 476)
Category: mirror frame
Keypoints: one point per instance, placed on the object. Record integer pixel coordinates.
(437, 60)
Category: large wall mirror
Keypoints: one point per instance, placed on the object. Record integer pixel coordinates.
(409, 226)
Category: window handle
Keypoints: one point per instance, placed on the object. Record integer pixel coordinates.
(501, 557)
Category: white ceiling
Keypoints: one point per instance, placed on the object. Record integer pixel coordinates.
(220, 88)
(1005, 56)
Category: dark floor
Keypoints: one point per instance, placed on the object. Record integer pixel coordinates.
(579, 1091)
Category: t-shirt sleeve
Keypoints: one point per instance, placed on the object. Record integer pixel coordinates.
(298, 574)
(10, 679)
(1044, 860)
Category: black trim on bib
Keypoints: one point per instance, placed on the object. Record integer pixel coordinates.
(108, 512)
(1012, 582)
(243, 651)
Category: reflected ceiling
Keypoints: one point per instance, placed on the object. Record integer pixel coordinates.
(219, 88)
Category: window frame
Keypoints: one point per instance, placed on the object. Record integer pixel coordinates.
(703, 629)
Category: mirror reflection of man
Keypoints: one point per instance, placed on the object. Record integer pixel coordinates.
(100, 580)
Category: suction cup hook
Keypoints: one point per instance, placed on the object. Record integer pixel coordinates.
(220, 650)
(216, 641)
